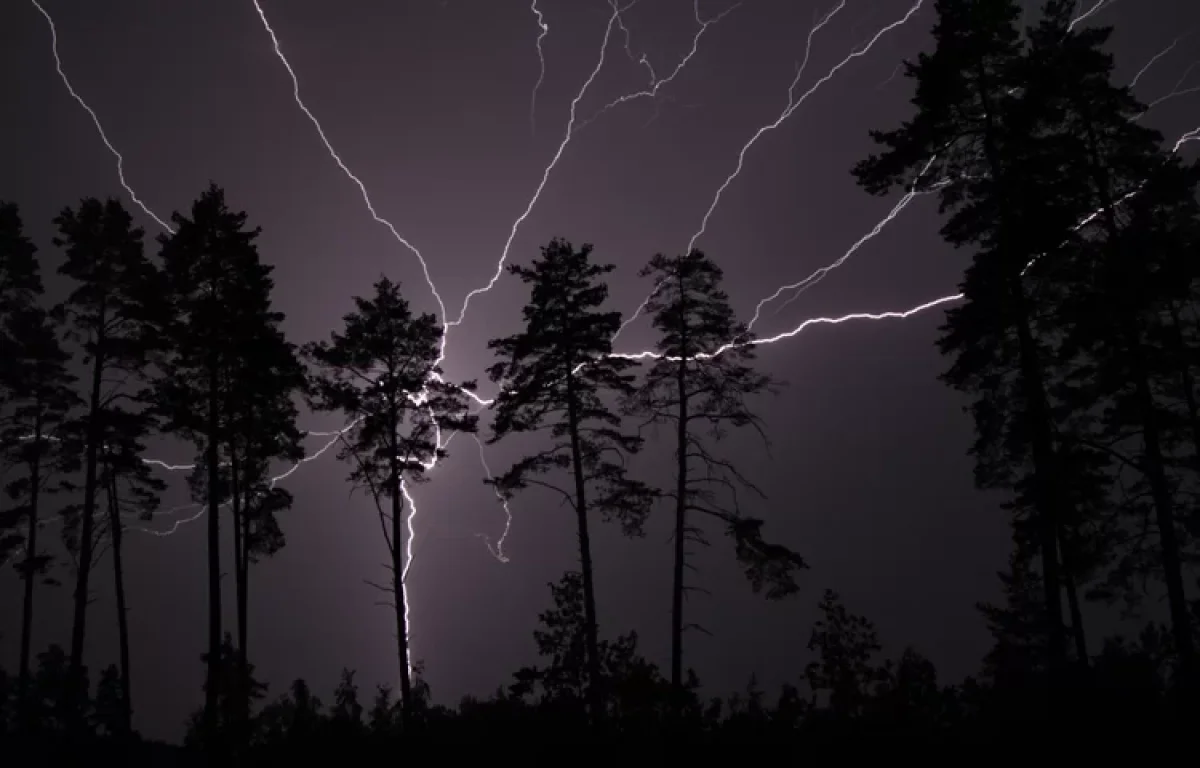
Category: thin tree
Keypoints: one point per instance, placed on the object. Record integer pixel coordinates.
(262, 428)
(37, 394)
(700, 383)
(111, 311)
(132, 491)
(215, 285)
(382, 372)
(554, 375)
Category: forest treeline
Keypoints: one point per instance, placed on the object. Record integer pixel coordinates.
(1077, 345)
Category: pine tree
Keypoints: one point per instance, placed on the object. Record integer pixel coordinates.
(700, 384)
(1126, 277)
(262, 428)
(132, 490)
(382, 372)
(980, 133)
(112, 312)
(553, 376)
(219, 292)
(37, 395)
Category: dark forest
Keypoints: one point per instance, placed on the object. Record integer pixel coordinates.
(1076, 345)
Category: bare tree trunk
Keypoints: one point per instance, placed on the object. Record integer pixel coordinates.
(213, 672)
(24, 707)
(591, 633)
(680, 513)
(1077, 630)
(76, 695)
(116, 533)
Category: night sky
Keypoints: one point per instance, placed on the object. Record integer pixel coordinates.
(429, 103)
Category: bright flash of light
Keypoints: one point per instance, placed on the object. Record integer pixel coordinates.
(544, 29)
(793, 103)
(96, 121)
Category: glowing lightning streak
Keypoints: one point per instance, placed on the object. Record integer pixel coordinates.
(337, 159)
(96, 121)
(545, 174)
(793, 104)
(1133, 83)
(656, 83)
(1100, 5)
(498, 551)
(820, 274)
(544, 30)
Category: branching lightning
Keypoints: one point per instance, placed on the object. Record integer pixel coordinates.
(562, 146)
(544, 29)
(656, 83)
(574, 125)
(793, 103)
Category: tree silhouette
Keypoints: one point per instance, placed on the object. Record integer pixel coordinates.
(986, 139)
(219, 293)
(700, 384)
(261, 428)
(845, 671)
(132, 490)
(1128, 277)
(37, 395)
(553, 377)
(382, 372)
(111, 311)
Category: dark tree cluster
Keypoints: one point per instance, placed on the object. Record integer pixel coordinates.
(1077, 343)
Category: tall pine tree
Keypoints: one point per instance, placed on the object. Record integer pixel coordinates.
(554, 375)
(36, 397)
(219, 293)
(981, 134)
(113, 313)
(382, 372)
(700, 384)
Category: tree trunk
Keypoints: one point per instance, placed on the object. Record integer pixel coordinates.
(1077, 631)
(24, 707)
(398, 573)
(116, 533)
(1155, 460)
(591, 633)
(680, 513)
(76, 695)
(1045, 483)
(1037, 410)
(1164, 510)
(240, 545)
(213, 671)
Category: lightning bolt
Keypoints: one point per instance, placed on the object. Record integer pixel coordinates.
(656, 84)
(544, 29)
(820, 274)
(498, 550)
(1099, 6)
(793, 103)
(95, 121)
(362, 188)
(562, 146)
(1146, 68)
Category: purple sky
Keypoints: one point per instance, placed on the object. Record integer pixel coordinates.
(428, 102)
